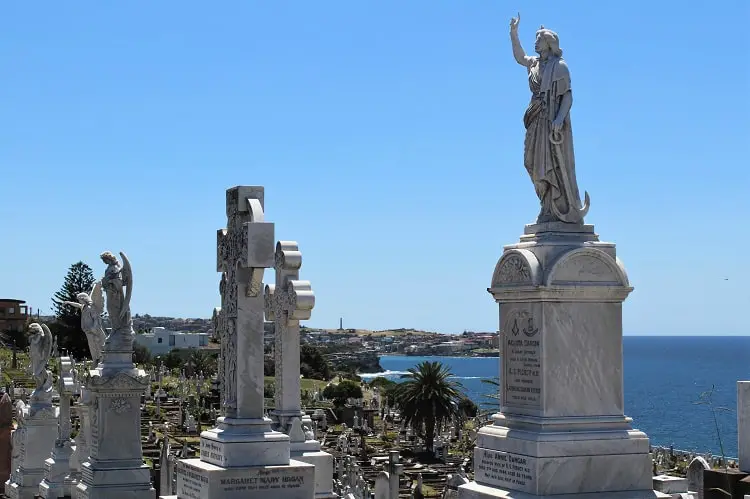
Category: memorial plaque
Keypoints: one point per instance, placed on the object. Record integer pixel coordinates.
(522, 353)
(505, 470)
(200, 480)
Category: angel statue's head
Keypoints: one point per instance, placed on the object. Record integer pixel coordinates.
(108, 258)
(547, 41)
(83, 298)
(35, 328)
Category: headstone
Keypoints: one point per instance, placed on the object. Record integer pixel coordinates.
(81, 452)
(383, 487)
(6, 427)
(287, 302)
(243, 457)
(695, 475)
(115, 468)
(743, 424)
(35, 436)
(395, 470)
(670, 484)
(165, 477)
(561, 428)
(190, 424)
(58, 481)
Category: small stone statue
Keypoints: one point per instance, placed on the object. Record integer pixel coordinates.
(548, 146)
(91, 306)
(40, 351)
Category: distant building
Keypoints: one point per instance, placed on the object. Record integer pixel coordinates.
(161, 340)
(13, 315)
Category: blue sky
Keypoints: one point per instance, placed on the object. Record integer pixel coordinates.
(388, 136)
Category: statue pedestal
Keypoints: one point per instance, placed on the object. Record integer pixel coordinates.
(115, 467)
(38, 430)
(561, 430)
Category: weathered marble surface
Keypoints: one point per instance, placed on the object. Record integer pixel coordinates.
(549, 158)
(57, 477)
(197, 479)
(36, 438)
(115, 467)
(743, 424)
(287, 302)
(562, 428)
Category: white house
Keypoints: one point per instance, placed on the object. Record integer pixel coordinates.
(160, 340)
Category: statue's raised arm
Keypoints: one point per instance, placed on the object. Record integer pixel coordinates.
(518, 52)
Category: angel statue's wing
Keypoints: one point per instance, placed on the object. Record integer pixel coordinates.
(46, 342)
(127, 281)
(97, 297)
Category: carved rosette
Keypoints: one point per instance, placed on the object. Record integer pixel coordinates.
(514, 270)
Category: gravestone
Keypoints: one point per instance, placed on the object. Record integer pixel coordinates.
(114, 468)
(695, 475)
(81, 452)
(165, 477)
(57, 480)
(6, 427)
(743, 424)
(561, 428)
(287, 302)
(243, 457)
(382, 486)
(35, 436)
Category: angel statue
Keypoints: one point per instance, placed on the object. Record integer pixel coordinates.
(40, 351)
(118, 286)
(91, 306)
(548, 146)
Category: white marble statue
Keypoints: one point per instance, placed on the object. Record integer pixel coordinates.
(91, 306)
(118, 286)
(40, 351)
(548, 146)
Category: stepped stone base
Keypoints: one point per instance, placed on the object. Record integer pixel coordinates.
(474, 490)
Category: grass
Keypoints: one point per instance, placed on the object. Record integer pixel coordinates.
(310, 385)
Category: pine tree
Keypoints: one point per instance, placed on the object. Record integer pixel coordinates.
(67, 326)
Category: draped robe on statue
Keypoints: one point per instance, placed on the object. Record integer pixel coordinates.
(548, 164)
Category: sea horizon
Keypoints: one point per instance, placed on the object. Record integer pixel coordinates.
(664, 380)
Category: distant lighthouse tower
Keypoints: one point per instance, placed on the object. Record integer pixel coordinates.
(341, 324)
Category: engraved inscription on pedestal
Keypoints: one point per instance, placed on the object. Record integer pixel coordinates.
(522, 360)
(505, 470)
(198, 481)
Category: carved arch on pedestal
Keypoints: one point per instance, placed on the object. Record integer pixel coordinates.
(517, 267)
(587, 266)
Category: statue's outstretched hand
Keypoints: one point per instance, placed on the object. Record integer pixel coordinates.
(514, 22)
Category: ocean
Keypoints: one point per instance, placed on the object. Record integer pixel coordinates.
(664, 379)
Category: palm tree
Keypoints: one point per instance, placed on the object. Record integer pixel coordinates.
(427, 398)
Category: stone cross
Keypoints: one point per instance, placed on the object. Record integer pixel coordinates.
(244, 251)
(287, 302)
(394, 471)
